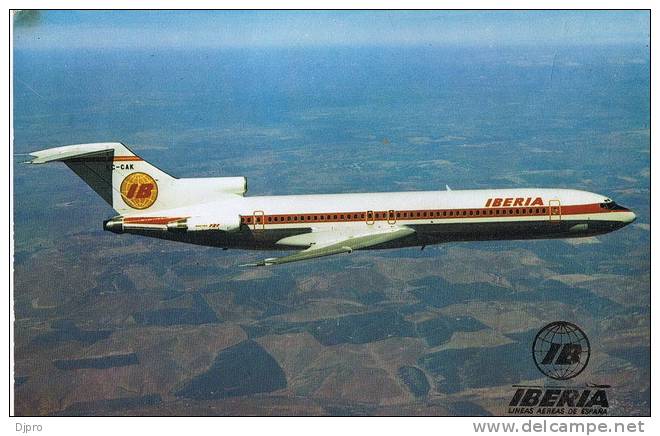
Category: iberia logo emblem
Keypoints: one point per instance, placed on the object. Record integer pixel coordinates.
(139, 190)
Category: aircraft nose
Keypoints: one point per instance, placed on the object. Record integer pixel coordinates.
(628, 217)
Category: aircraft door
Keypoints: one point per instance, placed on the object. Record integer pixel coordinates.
(391, 217)
(258, 220)
(555, 210)
(370, 217)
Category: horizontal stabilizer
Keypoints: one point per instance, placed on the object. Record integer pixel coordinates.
(78, 151)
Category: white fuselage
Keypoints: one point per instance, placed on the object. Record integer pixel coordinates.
(215, 211)
(437, 216)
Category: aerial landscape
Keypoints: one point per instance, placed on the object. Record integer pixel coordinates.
(110, 324)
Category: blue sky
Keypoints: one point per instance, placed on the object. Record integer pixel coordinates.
(189, 29)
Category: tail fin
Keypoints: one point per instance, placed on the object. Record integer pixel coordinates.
(119, 176)
(131, 185)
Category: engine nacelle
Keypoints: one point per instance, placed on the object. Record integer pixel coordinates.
(224, 222)
(220, 222)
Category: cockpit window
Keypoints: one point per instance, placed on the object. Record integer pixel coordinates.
(611, 206)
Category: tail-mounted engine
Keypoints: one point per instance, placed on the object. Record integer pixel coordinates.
(227, 223)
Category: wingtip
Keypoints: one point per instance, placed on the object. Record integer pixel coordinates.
(30, 156)
(262, 263)
(265, 262)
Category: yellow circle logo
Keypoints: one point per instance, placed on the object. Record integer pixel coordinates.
(139, 190)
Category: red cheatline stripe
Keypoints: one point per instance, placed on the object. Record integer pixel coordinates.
(152, 220)
(126, 158)
(422, 214)
(407, 215)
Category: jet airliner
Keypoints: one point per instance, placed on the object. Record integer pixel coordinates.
(216, 212)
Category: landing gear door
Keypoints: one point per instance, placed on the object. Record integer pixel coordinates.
(555, 210)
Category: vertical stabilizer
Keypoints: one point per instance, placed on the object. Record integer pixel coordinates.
(125, 181)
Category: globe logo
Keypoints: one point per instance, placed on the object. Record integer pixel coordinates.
(561, 350)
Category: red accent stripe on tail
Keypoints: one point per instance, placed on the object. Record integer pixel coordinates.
(126, 158)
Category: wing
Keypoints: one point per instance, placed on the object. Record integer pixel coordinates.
(329, 243)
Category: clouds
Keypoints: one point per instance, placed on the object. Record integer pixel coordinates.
(190, 29)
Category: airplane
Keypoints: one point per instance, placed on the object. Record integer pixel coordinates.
(215, 211)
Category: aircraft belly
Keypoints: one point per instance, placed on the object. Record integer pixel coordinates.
(454, 232)
(425, 234)
(245, 238)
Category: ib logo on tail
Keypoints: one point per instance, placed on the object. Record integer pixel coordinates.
(139, 190)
